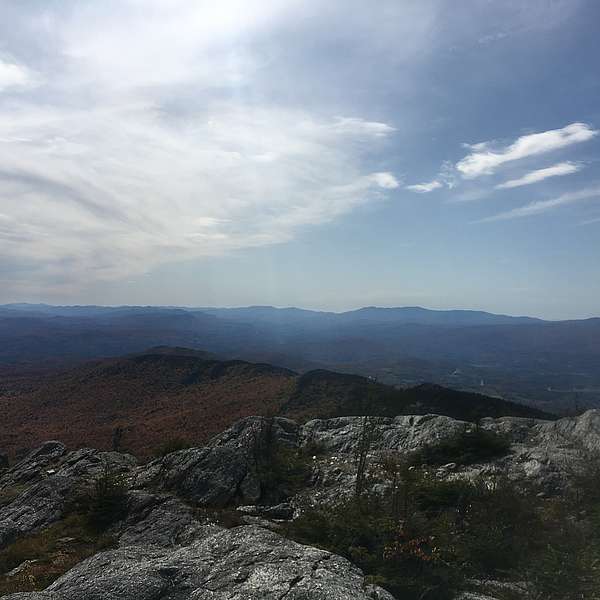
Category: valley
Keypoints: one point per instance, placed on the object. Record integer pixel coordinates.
(135, 403)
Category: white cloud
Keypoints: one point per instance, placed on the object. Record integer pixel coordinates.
(446, 177)
(558, 170)
(152, 141)
(542, 206)
(114, 192)
(354, 126)
(165, 130)
(13, 75)
(425, 188)
(385, 180)
(483, 161)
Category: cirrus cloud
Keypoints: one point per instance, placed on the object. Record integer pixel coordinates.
(114, 192)
(484, 161)
(558, 170)
(150, 140)
(542, 206)
(424, 188)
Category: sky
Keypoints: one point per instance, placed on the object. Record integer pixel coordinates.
(327, 155)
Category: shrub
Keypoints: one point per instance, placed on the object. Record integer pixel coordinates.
(470, 446)
(426, 537)
(566, 565)
(434, 496)
(496, 527)
(107, 502)
(284, 473)
(282, 470)
(404, 557)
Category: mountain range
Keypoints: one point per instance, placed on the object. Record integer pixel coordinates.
(554, 365)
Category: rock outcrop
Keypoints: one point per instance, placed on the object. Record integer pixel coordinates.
(38, 488)
(37, 507)
(169, 549)
(247, 563)
(545, 454)
(228, 469)
(158, 520)
(34, 466)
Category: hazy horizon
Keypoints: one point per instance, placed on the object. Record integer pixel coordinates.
(293, 307)
(286, 153)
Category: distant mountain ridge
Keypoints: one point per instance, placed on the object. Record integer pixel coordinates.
(137, 402)
(554, 365)
(409, 314)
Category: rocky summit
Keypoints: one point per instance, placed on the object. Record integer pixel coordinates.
(244, 562)
(218, 522)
